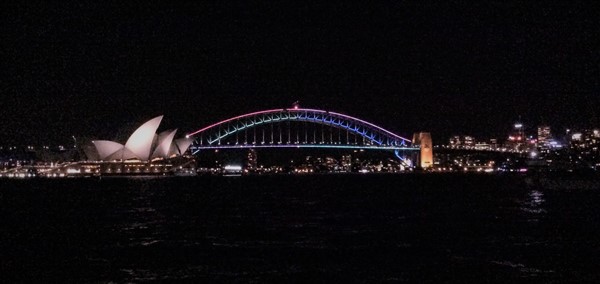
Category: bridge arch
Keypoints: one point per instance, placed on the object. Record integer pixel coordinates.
(376, 136)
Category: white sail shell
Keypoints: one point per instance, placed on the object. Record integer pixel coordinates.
(183, 144)
(106, 148)
(143, 144)
(140, 142)
(164, 144)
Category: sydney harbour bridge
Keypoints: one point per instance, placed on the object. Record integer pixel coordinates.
(308, 128)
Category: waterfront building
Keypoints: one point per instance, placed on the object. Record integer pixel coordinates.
(482, 146)
(493, 143)
(516, 139)
(143, 145)
(469, 141)
(455, 141)
(346, 163)
(251, 160)
(144, 153)
(466, 141)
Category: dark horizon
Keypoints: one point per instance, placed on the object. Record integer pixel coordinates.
(91, 70)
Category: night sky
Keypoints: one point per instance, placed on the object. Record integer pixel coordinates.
(89, 69)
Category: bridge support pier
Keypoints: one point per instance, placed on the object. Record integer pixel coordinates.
(425, 158)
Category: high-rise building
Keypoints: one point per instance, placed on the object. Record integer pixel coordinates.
(544, 136)
(586, 143)
(586, 139)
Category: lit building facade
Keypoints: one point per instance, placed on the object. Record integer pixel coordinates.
(586, 144)
(517, 141)
(544, 136)
(426, 156)
(143, 145)
(466, 141)
(252, 160)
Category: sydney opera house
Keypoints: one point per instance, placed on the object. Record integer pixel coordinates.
(144, 153)
(143, 145)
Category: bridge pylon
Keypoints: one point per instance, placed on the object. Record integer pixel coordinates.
(425, 157)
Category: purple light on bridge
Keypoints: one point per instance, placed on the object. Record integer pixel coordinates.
(295, 109)
(234, 118)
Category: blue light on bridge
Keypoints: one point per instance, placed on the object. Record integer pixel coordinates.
(373, 135)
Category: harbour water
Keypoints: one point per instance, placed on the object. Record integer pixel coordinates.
(291, 228)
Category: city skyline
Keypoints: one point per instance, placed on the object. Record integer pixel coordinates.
(85, 69)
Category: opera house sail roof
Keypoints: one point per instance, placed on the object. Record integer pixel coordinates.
(165, 139)
(140, 142)
(143, 144)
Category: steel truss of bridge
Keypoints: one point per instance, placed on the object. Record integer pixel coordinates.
(257, 130)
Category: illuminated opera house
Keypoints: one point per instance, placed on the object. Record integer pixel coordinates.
(144, 153)
(143, 145)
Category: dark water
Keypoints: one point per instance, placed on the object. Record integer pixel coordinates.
(330, 228)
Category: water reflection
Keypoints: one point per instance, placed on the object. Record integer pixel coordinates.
(534, 203)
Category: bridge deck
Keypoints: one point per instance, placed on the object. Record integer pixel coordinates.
(248, 146)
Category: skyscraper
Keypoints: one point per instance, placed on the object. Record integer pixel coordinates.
(544, 136)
